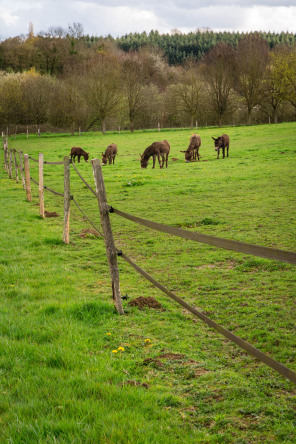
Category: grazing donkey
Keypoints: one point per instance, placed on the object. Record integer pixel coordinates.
(76, 151)
(192, 151)
(109, 154)
(221, 142)
(157, 149)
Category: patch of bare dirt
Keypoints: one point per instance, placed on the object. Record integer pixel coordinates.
(87, 231)
(174, 159)
(142, 302)
(227, 264)
(135, 384)
(49, 214)
(172, 356)
(154, 361)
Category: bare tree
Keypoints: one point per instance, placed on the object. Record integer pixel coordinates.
(251, 59)
(218, 72)
(102, 88)
(187, 91)
(133, 86)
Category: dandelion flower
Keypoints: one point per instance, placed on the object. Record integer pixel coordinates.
(114, 351)
(121, 348)
(108, 334)
(147, 341)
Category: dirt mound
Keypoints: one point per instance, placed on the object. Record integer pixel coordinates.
(49, 214)
(142, 302)
(90, 231)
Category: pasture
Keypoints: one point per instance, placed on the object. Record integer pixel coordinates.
(172, 378)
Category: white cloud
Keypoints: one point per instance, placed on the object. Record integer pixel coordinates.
(270, 19)
(103, 17)
(8, 18)
(117, 21)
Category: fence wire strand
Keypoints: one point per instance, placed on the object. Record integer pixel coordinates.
(53, 191)
(241, 247)
(34, 160)
(37, 183)
(280, 368)
(83, 180)
(80, 209)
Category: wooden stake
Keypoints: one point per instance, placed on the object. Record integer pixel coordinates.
(108, 236)
(28, 177)
(15, 166)
(10, 164)
(22, 170)
(41, 190)
(67, 199)
(5, 157)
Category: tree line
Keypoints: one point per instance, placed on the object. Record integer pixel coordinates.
(65, 79)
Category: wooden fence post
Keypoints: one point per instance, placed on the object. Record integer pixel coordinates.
(67, 199)
(28, 177)
(108, 236)
(22, 170)
(10, 164)
(15, 166)
(40, 187)
(5, 157)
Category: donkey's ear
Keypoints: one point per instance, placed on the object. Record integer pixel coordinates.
(213, 138)
(102, 154)
(182, 151)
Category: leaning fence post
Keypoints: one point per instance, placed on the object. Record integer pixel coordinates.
(107, 231)
(5, 157)
(28, 177)
(10, 164)
(15, 166)
(22, 170)
(67, 198)
(40, 188)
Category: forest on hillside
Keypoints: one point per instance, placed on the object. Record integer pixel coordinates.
(65, 80)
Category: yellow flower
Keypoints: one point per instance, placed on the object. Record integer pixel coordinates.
(120, 348)
(114, 351)
(108, 334)
(147, 341)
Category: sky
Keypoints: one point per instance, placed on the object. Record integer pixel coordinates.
(117, 18)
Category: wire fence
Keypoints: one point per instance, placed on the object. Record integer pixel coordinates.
(113, 253)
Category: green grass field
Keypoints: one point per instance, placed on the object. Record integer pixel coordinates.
(61, 380)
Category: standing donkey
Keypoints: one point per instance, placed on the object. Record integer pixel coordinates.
(221, 142)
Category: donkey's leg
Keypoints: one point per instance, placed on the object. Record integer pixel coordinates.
(160, 165)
